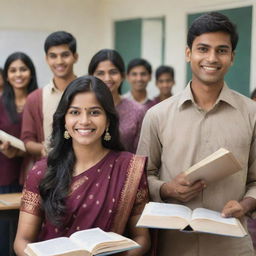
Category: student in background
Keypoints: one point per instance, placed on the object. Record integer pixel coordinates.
(164, 82)
(87, 181)
(139, 73)
(182, 130)
(108, 66)
(253, 95)
(20, 80)
(60, 50)
(1, 81)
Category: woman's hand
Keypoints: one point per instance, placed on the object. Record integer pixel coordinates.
(28, 229)
(140, 236)
(8, 150)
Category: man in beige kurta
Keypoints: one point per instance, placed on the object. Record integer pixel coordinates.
(186, 128)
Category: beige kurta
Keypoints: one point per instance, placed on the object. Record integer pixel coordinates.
(176, 134)
(51, 98)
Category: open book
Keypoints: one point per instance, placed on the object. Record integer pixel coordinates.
(175, 216)
(82, 243)
(10, 199)
(214, 167)
(15, 142)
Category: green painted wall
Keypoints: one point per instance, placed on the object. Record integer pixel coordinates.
(238, 77)
(128, 36)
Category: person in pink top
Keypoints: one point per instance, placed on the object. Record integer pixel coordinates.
(108, 66)
(87, 180)
(1, 81)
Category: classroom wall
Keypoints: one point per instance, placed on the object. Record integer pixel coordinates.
(80, 17)
(92, 23)
(176, 20)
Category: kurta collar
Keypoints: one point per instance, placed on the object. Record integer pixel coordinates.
(226, 95)
(53, 88)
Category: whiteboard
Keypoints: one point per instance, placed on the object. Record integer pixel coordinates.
(31, 43)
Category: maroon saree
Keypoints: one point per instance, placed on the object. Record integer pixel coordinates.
(103, 196)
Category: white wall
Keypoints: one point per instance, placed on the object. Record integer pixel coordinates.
(29, 42)
(176, 14)
(152, 35)
(91, 22)
(79, 17)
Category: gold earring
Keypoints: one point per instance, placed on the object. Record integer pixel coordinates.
(66, 135)
(107, 136)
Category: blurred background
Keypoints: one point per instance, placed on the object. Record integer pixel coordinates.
(154, 30)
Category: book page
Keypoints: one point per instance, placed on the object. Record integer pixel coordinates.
(214, 167)
(15, 142)
(54, 246)
(217, 154)
(10, 199)
(163, 209)
(202, 213)
(89, 238)
(118, 244)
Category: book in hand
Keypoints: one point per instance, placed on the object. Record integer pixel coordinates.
(10, 199)
(82, 243)
(214, 167)
(175, 216)
(15, 142)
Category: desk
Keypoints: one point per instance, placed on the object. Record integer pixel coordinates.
(10, 212)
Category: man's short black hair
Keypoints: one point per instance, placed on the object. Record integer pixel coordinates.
(164, 70)
(59, 38)
(139, 62)
(212, 22)
(253, 94)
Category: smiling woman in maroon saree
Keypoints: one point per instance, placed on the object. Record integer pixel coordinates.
(103, 196)
(87, 180)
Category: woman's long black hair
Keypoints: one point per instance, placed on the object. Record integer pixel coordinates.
(55, 186)
(8, 92)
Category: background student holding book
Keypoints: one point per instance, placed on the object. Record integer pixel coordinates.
(87, 181)
(181, 131)
(19, 80)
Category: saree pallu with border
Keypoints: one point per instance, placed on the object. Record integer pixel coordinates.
(104, 196)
